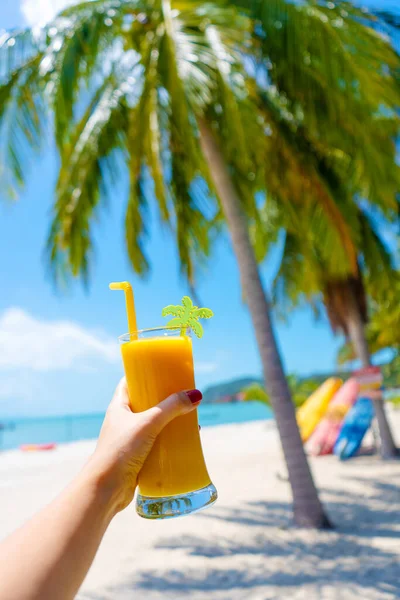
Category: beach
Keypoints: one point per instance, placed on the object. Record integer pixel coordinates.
(244, 547)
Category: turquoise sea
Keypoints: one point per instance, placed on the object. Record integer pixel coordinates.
(14, 432)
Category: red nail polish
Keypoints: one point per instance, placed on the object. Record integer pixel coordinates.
(195, 396)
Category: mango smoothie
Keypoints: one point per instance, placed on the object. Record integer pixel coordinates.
(157, 364)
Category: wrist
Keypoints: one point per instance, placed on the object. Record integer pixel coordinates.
(106, 485)
(113, 486)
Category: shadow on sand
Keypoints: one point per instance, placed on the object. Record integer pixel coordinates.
(272, 553)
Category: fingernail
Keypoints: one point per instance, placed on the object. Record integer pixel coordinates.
(195, 396)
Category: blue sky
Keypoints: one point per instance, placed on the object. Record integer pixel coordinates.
(58, 352)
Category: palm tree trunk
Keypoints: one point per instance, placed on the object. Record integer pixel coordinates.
(308, 510)
(356, 332)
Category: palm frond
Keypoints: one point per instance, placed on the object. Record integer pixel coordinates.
(378, 260)
(135, 223)
(23, 120)
(303, 98)
(79, 46)
(310, 180)
(267, 226)
(135, 226)
(295, 282)
(19, 47)
(154, 155)
(86, 7)
(84, 178)
(340, 297)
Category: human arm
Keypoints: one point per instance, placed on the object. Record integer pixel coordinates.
(49, 557)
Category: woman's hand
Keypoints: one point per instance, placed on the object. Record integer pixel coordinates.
(55, 549)
(126, 439)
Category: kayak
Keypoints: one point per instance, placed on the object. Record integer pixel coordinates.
(38, 447)
(354, 428)
(369, 378)
(313, 410)
(325, 435)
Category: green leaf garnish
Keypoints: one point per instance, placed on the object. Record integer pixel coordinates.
(187, 316)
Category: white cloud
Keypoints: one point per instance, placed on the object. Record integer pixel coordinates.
(38, 345)
(205, 367)
(40, 12)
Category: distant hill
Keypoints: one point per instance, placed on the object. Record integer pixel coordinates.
(220, 392)
(216, 393)
(321, 377)
(230, 389)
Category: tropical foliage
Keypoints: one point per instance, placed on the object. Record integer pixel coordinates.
(301, 389)
(126, 79)
(314, 267)
(305, 276)
(391, 372)
(383, 329)
(124, 82)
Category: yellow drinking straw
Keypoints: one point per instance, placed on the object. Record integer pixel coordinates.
(130, 305)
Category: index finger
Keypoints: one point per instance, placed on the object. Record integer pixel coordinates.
(121, 395)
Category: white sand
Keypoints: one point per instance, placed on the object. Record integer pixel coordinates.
(243, 548)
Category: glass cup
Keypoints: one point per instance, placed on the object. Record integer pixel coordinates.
(174, 480)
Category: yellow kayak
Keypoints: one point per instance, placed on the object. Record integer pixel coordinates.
(312, 411)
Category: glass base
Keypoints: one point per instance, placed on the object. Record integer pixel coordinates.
(176, 506)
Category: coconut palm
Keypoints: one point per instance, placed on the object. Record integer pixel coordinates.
(339, 171)
(184, 95)
(359, 118)
(150, 76)
(304, 275)
(298, 160)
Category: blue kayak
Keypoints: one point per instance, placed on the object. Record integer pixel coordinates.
(354, 428)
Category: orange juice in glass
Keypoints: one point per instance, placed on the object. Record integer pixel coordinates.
(174, 480)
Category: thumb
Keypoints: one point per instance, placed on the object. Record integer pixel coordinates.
(174, 406)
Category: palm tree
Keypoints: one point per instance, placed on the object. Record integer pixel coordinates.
(183, 94)
(152, 77)
(304, 275)
(279, 104)
(320, 262)
(298, 469)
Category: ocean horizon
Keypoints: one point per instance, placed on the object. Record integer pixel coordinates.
(15, 432)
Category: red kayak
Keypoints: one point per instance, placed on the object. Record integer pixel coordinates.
(38, 447)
